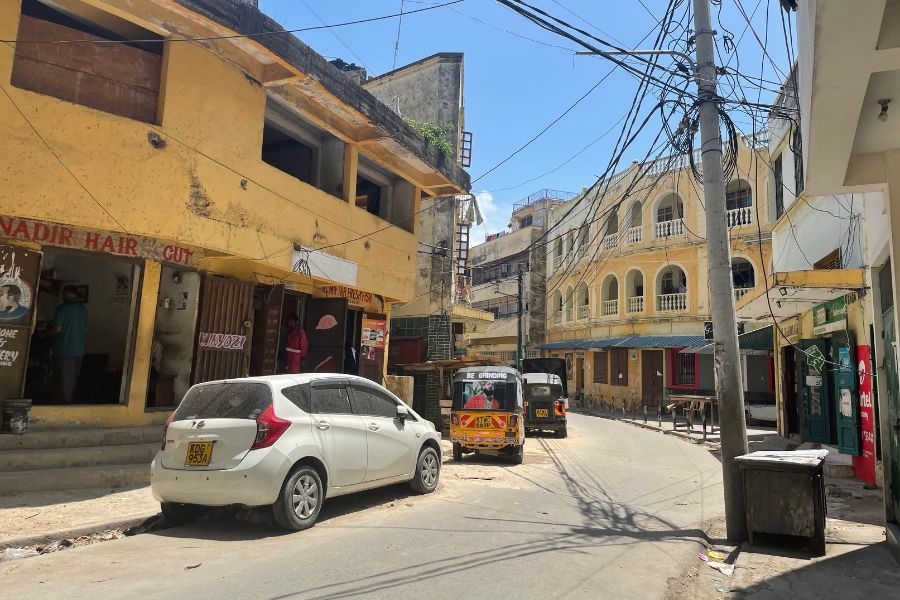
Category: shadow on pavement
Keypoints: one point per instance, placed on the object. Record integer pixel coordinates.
(234, 524)
(605, 521)
(48, 498)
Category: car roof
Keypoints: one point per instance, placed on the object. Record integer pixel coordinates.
(284, 380)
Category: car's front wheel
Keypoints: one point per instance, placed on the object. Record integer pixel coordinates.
(428, 471)
(176, 513)
(300, 499)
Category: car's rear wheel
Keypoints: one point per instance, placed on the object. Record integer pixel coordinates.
(176, 513)
(428, 471)
(457, 451)
(300, 499)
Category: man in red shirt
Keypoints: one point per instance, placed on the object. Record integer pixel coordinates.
(483, 400)
(295, 346)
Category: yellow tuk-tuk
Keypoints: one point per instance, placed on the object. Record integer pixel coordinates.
(486, 415)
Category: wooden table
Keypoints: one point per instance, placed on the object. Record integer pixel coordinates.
(692, 404)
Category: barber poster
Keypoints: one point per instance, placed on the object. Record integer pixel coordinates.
(864, 464)
(19, 272)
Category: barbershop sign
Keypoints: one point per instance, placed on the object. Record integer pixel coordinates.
(53, 234)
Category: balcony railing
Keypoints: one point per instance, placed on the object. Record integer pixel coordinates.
(672, 302)
(610, 307)
(584, 311)
(582, 250)
(557, 317)
(739, 216)
(557, 261)
(610, 241)
(569, 314)
(633, 235)
(635, 304)
(740, 293)
(667, 229)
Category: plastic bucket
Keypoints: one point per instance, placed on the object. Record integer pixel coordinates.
(15, 415)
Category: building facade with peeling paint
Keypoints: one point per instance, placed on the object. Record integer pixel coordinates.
(190, 195)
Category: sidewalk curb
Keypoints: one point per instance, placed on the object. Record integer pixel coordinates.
(75, 532)
(679, 434)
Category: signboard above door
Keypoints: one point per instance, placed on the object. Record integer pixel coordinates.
(830, 316)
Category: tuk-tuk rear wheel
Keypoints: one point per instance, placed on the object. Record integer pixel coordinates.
(457, 451)
(518, 455)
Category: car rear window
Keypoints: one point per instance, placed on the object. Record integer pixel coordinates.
(227, 400)
(543, 391)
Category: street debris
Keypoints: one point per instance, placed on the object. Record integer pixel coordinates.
(716, 555)
(192, 566)
(720, 587)
(702, 557)
(16, 553)
(723, 568)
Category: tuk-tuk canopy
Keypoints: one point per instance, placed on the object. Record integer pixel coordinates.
(487, 388)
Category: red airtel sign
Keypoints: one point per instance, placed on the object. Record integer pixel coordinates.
(94, 241)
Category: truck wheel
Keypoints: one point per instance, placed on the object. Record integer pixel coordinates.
(457, 451)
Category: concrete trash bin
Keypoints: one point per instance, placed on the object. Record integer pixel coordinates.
(784, 494)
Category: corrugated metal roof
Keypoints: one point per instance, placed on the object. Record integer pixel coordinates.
(635, 341)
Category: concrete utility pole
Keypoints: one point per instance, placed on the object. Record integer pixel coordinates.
(729, 386)
(520, 310)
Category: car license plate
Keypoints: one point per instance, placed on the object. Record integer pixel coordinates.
(541, 412)
(482, 422)
(198, 454)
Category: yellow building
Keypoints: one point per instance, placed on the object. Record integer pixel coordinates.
(193, 184)
(627, 284)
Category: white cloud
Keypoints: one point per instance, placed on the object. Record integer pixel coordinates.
(495, 221)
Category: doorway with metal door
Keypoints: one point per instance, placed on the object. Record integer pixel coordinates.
(790, 390)
(652, 378)
(225, 322)
(889, 335)
(816, 401)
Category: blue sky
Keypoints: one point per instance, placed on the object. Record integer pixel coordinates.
(514, 87)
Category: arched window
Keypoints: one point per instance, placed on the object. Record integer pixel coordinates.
(609, 294)
(670, 216)
(738, 195)
(583, 301)
(743, 276)
(738, 203)
(634, 232)
(556, 307)
(671, 290)
(634, 291)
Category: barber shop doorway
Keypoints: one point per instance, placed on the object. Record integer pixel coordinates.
(82, 345)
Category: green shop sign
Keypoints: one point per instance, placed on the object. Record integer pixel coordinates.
(830, 316)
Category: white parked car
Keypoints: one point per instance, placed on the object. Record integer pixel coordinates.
(289, 441)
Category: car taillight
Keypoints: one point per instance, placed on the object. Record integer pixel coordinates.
(454, 419)
(526, 405)
(166, 430)
(513, 421)
(268, 428)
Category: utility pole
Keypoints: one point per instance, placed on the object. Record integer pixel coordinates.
(729, 387)
(520, 314)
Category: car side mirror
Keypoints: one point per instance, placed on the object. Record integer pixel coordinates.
(402, 412)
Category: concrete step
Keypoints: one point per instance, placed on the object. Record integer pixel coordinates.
(75, 479)
(80, 438)
(59, 458)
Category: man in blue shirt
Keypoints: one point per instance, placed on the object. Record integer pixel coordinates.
(69, 328)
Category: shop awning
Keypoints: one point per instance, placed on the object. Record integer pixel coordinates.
(634, 341)
(793, 292)
(759, 341)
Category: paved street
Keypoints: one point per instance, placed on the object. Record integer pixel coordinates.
(612, 511)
